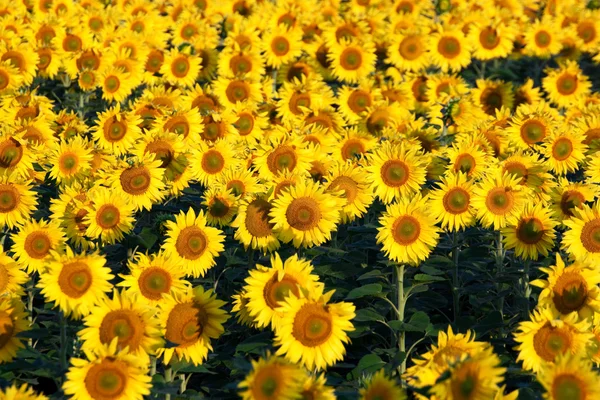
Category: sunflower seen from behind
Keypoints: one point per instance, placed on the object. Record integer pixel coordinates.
(34, 242)
(192, 243)
(190, 320)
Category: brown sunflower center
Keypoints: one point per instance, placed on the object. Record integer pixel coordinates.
(136, 180)
(488, 38)
(351, 59)
(115, 130)
(406, 230)
(590, 236)
(570, 292)
(543, 39)
(153, 282)
(303, 213)
(280, 46)
(108, 216)
(107, 380)
(348, 185)
(449, 47)
(516, 169)
(11, 152)
(586, 30)
(570, 200)
(237, 91)
(9, 198)
(180, 67)
(75, 279)
(257, 218)
(465, 163)
(155, 61)
(533, 131)
(276, 290)
(283, 157)
(499, 200)
(37, 245)
(567, 386)
(126, 325)
(566, 84)
(191, 243)
(186, 323)
(240, 64)
(179, 125)
(268, 383)
(492, 100)
(16, 59)
(352, 148)
(530, 230)
(312, 325)
(7, 328)
(299, 101)
(5, 79)
(551, 341)
(456, 201)
(162, 151)
(411, 48)
(213, 162)
(359, 100)
(219, 208)
(112, 83)
(562, 149)
(394, 173)
(377, 121)
(244, 124)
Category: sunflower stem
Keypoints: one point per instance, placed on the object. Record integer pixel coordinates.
(499, 272)
(168, 378)
(400, 309)
(455, 289)
(63, 342)
(183, 383)
(153, 366)
(30, 296)
(526, 288)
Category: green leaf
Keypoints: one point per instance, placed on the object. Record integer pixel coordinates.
(147, 237)
(428, 278)
(419, 322)
(368, 314)
(370, 363)
(371, 289)
(429, 270)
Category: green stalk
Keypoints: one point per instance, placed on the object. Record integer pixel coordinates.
(183, 383)
(168, 378)
(400, 306)
(500, 271)
(455, 288)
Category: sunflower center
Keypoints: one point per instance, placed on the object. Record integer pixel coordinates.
(257, 218)
(153, 282)
(244, 124)
(299, 101)
(7, 328)
(586, 31)
(191, 243)
(125, 325)
(562, 149)
(312, 325)
(37, 245)
(114, 130)
(303, 213)
(570, 292)
(240, 64)
(449, 47)
(394, 173)
(112, 83)
(570, 200)
(284, 157)
(180, 67)
(377, 121)
(219, 208)
(359, 100)
(186, 323)
(136, 180)
(567, 386)
(213, 162)
(276, 291)
(155, 61)
(9, 198)
(464, 384)
(352, 148)
(75, 279)
(348, 185)
(266, 384)
(411, 48)
(551, 341)
(11, 153)
(488, 38)
(492, 100)
(107, 380)
(280, 46)
(108, 216)
(590, 236)
(406, 230)
(4, 79)
(533, 132)
(237, 91)
(566, 84)
(499, 200)
(465, 163)
(72, 43)
(530, 230)
(542, 39)
(456, 201)
(351, 59)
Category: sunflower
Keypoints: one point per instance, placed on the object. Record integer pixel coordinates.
(16, 156)
(472, 377)
(17, 202)
(13, 321)
(253, 226)
(449, 50)
(493, 95)
(451, 202)
(569, 377)
(75, 282)
(499, 200)
(567, 85)
(107, 374)
(221, 206)
(186, 123)
(239, 89)
(380, 387)
(70, 160)
(10, 78)
(354, 101)
(242, 183)
(492, 39)
(266, 288)
(235, 61)
(395, 170)
(12, 277)
(408, 51)
(190, 321)
(533, 233)
(570, 289)
(193, 244)
(543, 38)
(117, 130)
(314, 387)
(181, 68)
(133, 325)
(469, 158)
(280, 155)
(564, 152)
(357, 192)
(22, 392)
(549, 334)
(313, 331)
(299, 97)
(306, 214)
(353, 144)
(527, 94)
(281, 45)
(568, 197)
(210, 162)
(109, 216)
(582, 239)
(408, 232)
(22, 57)
(34, 242)
(139, 182)
(351, 60)
(115, 83)
(272, 378)
(240, 309)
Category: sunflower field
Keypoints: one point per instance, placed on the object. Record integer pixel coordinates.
(300, 200)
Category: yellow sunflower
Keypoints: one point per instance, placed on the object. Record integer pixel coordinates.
(239, 89)
(16, 156)
(117, 130)
(314, 387)
(134, 325)
(582, 239)
(280, 155)
(242, 183)
(533, 233)
(13, 278)
(354, 101)
(22, 392)
(313, 331)
(499, 200)
(469, 158)
(181, 68)
(17, 202)
(240, 309)
(10, 78)
(193, 244)
(34, 242)
(543, 38)
(253, 227)
(549, 334)
(527, 94)
(109, 216)
(281, 45)
(492, 96)
(380, 387)
(107, 373)
(151, 276)
(451, 202)
(221, 206)
(565, 152)
(570, 289)
(408, 232)
(530, 125)
(115, 83)
(267, 287)
(306, 214)
(190, 320)
(567, 85)
(353, 144)
(13, 321)
(569, 377)
(210, 162)
(352, 61)
(493, 39)
(70, 160)
(408, 51)
(395, 171)
(185, 123)
(352, 179)
(567, 197)
(449, 50)
(76, 282)
(272, 378)
(22, 57)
